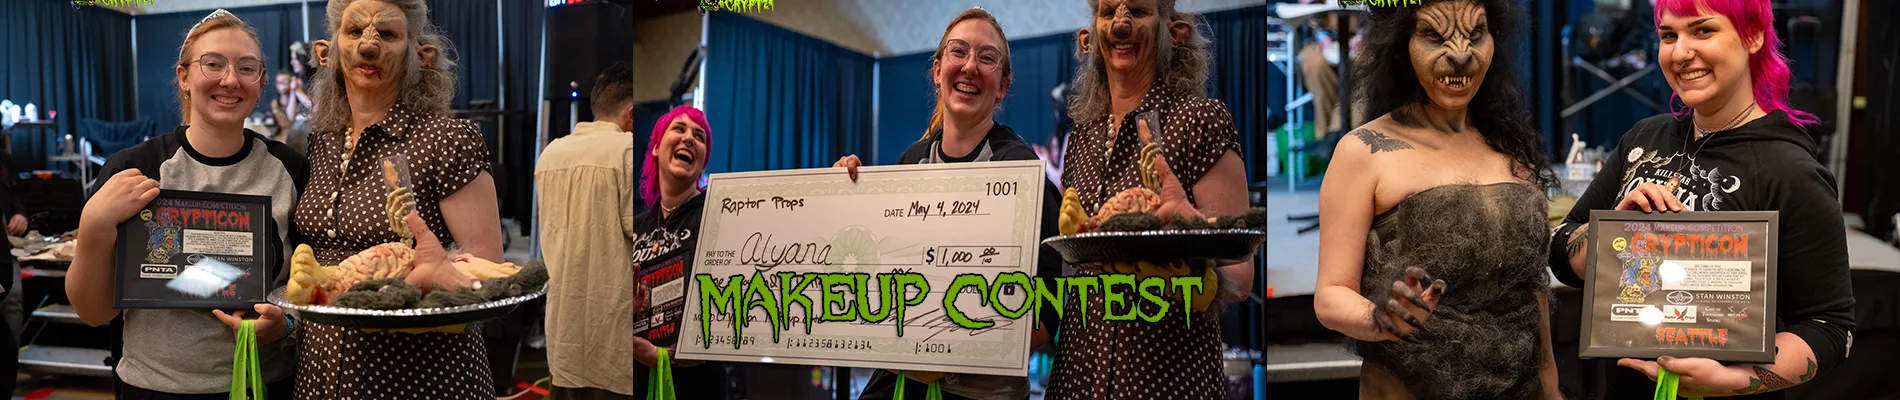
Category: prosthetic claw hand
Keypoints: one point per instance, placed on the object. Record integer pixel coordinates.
(1421, 301)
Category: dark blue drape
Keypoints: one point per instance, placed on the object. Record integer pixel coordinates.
(159, 36)
(780, 100)
(905, 98)
(1240, 53)
(74, 60)
(470, 27)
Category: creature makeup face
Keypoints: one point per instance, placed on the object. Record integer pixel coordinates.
(1128, 31)
(1451, 50)
(1703, 57)
(969, 73)
(682, 151)
(374, 45)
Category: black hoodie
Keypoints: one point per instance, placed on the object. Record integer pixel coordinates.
(1769, 164)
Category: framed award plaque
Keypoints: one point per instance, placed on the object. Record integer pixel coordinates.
(195, 250)
(1694, 284)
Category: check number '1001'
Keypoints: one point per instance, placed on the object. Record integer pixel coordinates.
(1000, 188)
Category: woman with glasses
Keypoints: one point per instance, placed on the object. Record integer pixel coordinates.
(971, 72)
(383, 91)
(185, 353)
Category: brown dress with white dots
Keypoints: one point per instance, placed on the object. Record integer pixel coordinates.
(1169, 359)
(342, 214)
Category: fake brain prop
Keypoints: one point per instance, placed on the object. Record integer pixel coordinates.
(312, 283)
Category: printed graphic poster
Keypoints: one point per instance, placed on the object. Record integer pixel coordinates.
(1684, 285)
(195, 250)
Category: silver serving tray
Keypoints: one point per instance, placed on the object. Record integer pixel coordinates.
(1222, 245)
(405, 318)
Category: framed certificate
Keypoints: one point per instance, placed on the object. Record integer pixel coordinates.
(195, 250)
(939, 224)
(1695, 284)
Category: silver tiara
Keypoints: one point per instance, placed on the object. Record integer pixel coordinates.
(214, 14)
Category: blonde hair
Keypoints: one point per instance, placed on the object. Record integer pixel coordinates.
(936, 113)
(219, 19)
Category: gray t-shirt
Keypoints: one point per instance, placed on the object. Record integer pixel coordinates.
(189, 351)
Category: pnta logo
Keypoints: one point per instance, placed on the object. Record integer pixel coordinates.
(1628, 312)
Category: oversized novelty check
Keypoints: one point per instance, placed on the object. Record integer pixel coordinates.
(832, 272)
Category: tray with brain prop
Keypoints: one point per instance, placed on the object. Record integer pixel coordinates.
(367, 289)
(1127, 230)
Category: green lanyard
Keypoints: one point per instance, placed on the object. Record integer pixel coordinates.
(1666, 383)
(935, 393)
(660, 379)
(245, 375)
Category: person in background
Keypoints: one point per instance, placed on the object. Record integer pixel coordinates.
(584, 185)
(971, 73)
(291, 111)
(1737, 147)
(383, 91)
(16, 226)
(185, 353)
(1140, 57)
(664, 242)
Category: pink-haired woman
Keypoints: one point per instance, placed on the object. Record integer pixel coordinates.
(664, 237)
(1737, 146)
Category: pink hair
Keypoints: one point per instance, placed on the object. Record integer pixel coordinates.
(1768, 68)
(650, 173)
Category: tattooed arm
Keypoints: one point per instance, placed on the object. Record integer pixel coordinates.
(1347, 205)
(1570, 239)
(1795, 364)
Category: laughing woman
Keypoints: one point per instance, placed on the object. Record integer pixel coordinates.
(383, 90)
(1738, 147)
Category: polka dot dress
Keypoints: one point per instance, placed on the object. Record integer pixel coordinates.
(342, 214)
(1170, 359)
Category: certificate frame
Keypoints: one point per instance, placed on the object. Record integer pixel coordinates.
(1607, 311)
(879, 210)
(135, 287)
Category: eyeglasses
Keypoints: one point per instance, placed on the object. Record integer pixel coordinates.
(958, 53)
(213, 66)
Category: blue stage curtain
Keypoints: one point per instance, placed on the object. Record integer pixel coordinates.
(469, 26)
(905, 98)
(159, 36)
(777, 99)
(74, 60)
(1037, 65)
(1240, 53)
